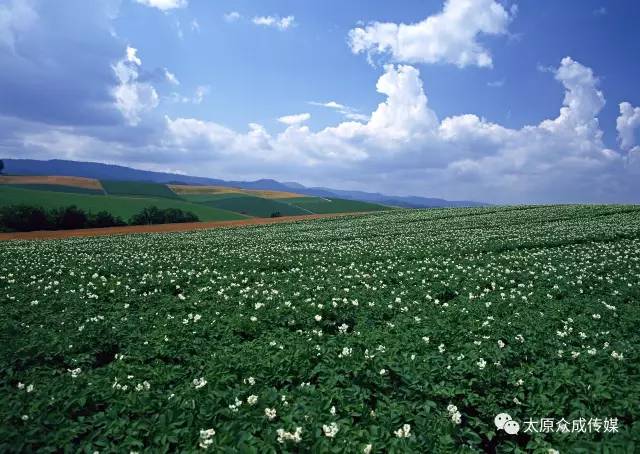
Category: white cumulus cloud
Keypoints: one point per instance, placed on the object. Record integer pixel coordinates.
(404, 144)
(402, 148)
(294, 119)
(281, 23)
(132, 98)
(132, 56)
(582, 101)
(233, 16)
(164, 5)
(447, 37)
(626, 124)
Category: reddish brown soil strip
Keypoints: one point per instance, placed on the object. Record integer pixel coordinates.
(78, 182)
(160, 228)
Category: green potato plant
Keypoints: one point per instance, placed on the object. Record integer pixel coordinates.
(399, 331)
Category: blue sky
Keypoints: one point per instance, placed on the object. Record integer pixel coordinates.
(258, 75)
(463, 101)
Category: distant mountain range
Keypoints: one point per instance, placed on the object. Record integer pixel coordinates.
(115, 172)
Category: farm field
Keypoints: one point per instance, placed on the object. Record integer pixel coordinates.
(160, 228)
(187, 189)
(57, 188)
(257, 206)
(399, 331)
(126, 198)
(137, 188)
(201, 198)
(320, 205)
(294, 200)
(77, 182)
(122, 206)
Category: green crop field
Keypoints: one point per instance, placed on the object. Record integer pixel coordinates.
(125, 207)
(321, 206)
(57, 188)
(202, 198)
(310, 199)
(257, 206)
(400, 331)
(137, 188)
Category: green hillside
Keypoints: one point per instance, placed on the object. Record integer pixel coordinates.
(295, 200)
(138, 189)
(257, 206)
(327, 206)
(126, 198)
(124, 207)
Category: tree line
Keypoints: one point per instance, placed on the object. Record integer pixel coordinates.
(25, 218)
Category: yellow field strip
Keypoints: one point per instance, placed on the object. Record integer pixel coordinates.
(186, 189)
(78, 182)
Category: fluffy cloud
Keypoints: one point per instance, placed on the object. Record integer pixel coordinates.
(448, 37)
(16, 17)
(131, 56)
(294, 119)
(99, 103)
(403, 118)
(281, 23)
(132, 98)
(170, 77)
(626, 124)
(582, 101)
(190, 133)
(348, 112)
(56, 69)
(233, 16)
(559, 160)
(402, 148)
(403, 143)
(405, 113)
(164, 5)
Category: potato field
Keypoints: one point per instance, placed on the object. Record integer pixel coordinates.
(400, 331)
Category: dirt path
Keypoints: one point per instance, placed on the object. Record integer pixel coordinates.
(160, 228)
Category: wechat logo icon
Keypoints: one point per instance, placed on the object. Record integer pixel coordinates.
(504, 422)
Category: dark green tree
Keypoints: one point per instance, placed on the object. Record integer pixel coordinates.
(23, 218)
(155, 215)
(104, 219)
(67, 218)
(149, 215)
